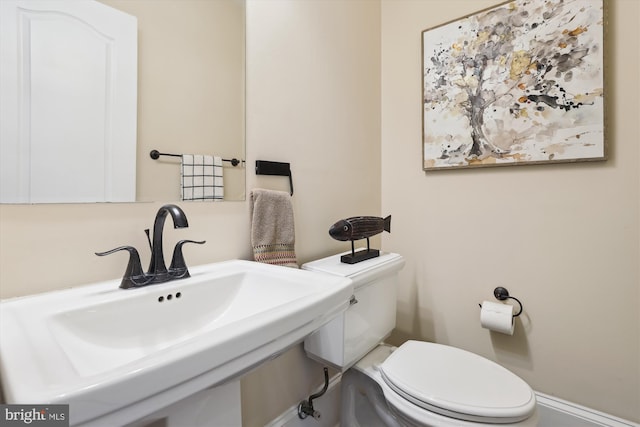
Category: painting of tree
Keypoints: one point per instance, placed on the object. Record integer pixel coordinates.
(519, 83)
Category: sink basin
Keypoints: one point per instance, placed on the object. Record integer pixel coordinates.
(115, 354)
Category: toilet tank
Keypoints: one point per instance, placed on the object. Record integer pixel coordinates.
(371, 315)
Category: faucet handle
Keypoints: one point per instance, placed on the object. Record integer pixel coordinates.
(178, 268)
(134, 275)
(146, 231)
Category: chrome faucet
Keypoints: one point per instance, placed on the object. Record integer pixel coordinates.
(134, 277)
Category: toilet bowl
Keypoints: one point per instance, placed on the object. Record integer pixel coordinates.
(418, 383)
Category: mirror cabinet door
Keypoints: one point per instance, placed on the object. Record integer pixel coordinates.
(69, 79)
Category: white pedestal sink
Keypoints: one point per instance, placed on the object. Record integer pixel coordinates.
(116, 356)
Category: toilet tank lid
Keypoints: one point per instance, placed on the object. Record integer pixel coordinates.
(386, 263)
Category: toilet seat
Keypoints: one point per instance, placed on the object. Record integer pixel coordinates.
(457, 384)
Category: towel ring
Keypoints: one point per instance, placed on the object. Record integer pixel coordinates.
(266, 167)
(503, 294)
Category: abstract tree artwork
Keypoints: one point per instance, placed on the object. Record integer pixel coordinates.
(519, 83)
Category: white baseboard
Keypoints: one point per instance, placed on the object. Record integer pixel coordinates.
(553, 412)
(558, 412)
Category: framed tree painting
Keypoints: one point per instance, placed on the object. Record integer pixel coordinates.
(519, 83)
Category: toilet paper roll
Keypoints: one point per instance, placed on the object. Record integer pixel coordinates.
(497, 317)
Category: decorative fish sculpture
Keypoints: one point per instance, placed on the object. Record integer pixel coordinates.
(359, 227)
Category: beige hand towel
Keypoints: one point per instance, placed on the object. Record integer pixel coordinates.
(272, 228)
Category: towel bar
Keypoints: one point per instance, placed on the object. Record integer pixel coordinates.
(155, 154)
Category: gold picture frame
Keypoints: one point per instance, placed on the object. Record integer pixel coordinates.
(519, 83)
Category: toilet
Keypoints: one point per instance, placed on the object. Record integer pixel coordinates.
(418, 383)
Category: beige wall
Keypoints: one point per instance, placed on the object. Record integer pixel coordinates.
(313, 85)
(562, 238)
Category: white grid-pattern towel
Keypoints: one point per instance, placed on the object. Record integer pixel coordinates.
(201, 177)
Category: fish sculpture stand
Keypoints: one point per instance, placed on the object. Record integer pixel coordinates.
(356, 228)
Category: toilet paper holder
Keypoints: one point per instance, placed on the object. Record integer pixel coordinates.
(503, 294)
